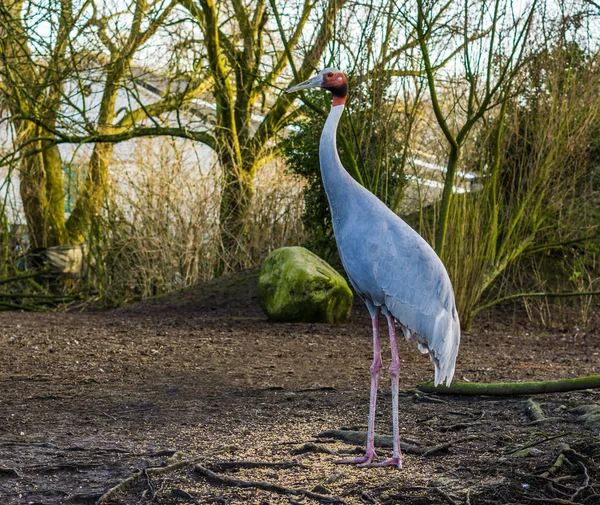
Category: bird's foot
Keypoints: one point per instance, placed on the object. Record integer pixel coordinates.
(363, 461)
(395, 461)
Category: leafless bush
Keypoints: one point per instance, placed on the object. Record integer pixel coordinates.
(159, 229)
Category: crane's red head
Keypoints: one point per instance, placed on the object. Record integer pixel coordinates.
(330, 79)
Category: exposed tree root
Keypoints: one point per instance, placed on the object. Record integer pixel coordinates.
(360, 437)
(444, 495)
(223, 465)
(311, 447)
(61, 467)
(586, 484)
(458, 426)
(513, 388)
(134, 478)
(367, 498)
(558, 501)
(45, 445)
(265, 486)
(427, 399)
(568, 495)
(121, 486)
(150, 487)
(180, 493)
(445, 446)
(533, 411)
(594, 498)
(9, 472)
(355, 437)
(558, 462)
(90, 497)
(158, 470)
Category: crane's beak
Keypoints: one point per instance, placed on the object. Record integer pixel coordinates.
(313, 82)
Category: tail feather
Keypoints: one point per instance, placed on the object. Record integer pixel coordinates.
(444, 351)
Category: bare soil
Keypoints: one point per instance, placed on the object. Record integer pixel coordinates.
(90, 399)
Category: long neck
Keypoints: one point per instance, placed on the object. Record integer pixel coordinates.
(336, 180)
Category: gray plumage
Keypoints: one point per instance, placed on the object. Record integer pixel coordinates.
(389, 264)
(391, 268)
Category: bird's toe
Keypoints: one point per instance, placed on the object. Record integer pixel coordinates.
(361, 461)
(395, 461)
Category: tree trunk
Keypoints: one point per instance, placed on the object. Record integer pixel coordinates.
(440, 237)
(96, 182)
(93, 192)
(236, 199)
(42, 192)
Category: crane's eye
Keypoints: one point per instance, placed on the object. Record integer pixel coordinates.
(330, 74)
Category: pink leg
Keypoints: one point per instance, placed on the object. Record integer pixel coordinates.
(375, 371)
(396, 459)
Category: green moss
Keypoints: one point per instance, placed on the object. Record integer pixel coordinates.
(295, 285)
(513, 388)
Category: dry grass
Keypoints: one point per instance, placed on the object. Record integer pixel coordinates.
(159, 229)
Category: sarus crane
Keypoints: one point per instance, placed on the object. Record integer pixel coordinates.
(390, 266)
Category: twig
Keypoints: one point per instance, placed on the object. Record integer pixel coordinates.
(558, 501)
(16, 306)
(22, 277)
(472, 415)
(419, 397)
(586, 484)
(265, 486)
(52, 298)
(533, 444)
(533, 295)
(150, 486)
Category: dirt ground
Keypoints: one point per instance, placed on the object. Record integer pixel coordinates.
(162, 391)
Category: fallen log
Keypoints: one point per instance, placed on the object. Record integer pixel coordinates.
(513, 388)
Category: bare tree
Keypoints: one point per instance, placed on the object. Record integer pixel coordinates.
(41, 56)
(236, 57)
(520, 113)
(485, 68)
(246, 57)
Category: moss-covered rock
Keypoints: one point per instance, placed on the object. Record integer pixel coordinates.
(296, 285)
